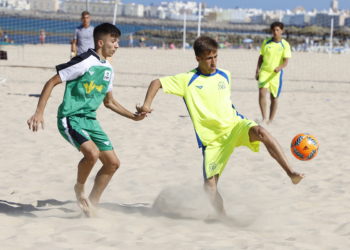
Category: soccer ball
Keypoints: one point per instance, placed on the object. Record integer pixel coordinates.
(304, 147)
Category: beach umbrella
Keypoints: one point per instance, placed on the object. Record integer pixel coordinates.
(342, 32)
(247, 40)
(314, 31)
(291, 30)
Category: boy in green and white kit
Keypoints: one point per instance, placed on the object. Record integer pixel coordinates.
(274, 55)
(89, 78)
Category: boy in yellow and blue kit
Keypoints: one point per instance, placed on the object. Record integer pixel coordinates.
(274, 55)
(219, 128)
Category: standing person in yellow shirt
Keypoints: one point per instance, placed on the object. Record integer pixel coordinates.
(219, 128)
(274, 55)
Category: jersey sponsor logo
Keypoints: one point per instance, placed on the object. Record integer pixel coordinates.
(107, 75)
(222, 85)
(200, 87)
(212, 166)
(91, 72)
(106, 142)
(90, 88)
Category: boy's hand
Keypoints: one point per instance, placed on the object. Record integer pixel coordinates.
(141, 109)
(278, 69)
(139, 116)
(257, 76)
(35, 120)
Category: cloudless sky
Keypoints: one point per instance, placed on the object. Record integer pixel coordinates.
(258, 4)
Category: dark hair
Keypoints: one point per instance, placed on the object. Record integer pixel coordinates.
(105, 29)
(204, 43)
(277, 24)
(85, 13)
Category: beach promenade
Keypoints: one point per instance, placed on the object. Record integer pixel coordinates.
(156, 198)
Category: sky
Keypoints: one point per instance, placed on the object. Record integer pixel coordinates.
(258, 4)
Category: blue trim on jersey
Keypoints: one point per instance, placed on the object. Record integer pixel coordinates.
(269, 41)
(203, 152)
(282, 44)
(223, 74)
(280, 87)
(198, 71)
(200, 144)
(194, 77)
(238, 114)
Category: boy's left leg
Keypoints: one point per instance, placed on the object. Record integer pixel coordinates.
(110, 165)
(210, 187)
(258, 133)
(273, 108)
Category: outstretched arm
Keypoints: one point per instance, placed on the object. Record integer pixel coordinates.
(260, 61)
(113, 105)
(284, 64)
(38, 118)
(151, 93)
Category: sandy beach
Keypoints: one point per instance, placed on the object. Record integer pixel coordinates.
(156, 199)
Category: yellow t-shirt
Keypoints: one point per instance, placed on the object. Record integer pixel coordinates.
(274, 53)
(208, 100)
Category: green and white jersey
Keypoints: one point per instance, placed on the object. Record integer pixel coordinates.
(88, 81)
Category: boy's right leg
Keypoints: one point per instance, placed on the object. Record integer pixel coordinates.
(262, 104)
(91, 155)
(210, 186)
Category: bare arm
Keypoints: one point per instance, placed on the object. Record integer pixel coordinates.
(260, 61)
(113, 105)
(74, 47)
(151, 93)
(284, 64)
(38, 118)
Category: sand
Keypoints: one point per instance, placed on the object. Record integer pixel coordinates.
(156, 200)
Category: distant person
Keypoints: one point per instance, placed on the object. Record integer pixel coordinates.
(274, 55)
(89, 82)
(83, 36)
(172, 46)
(131, 40)
(12, 41)
(6, 39)
(142, 41)
(1, 32)
(42, 36)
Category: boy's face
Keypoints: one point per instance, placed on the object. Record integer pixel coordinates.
(277, 32)
(85, 20)
(109, 45)
(207, 61)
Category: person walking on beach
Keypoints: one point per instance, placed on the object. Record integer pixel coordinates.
(219, 128)
(274, 55)
(131, 40)
(89, 78)
(83, 36)
(42, 36)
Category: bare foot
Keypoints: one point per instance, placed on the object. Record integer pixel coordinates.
(296, 177)
(270, 122)
(82, 199)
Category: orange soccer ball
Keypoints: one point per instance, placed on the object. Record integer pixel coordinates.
(304, 147)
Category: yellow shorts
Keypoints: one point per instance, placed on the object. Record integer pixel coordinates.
(217, 153)
(271, 81)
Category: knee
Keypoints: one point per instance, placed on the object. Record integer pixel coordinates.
(113, 165)
(93, 155)
(210, 186)
(263, 134)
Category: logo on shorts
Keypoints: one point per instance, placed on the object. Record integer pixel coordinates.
(90, 88)
(212, 166)
(107, 143)
(85, 133)
(222, 85)
(107, 76)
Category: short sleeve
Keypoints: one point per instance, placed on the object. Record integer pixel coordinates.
(287, 52)
(75, 35)
(175, 84)
(110, 86)
(72, 69)
(262, 50)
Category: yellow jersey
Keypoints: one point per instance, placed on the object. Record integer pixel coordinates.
(208, 100)
(274, 53)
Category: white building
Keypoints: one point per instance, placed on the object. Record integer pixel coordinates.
(133, 10)
(45, 5)
(95, 8)
(15, 4)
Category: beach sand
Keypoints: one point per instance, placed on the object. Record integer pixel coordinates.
(156, 199)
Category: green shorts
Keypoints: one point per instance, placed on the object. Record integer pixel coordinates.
(271, 81)
(77, 130)
(217, 153)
